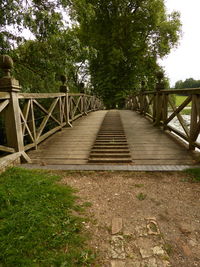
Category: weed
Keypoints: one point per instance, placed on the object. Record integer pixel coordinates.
(194, 174)
(38, 225)
(87, 204)
(153, 227)
(165, 258)
(139, 185)
(168, 248)
(141, 196)
(185, 180)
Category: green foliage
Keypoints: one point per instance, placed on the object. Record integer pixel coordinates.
(128, 37)
(37, 222)
(188, 83)
(41, 18)
(194, 174)
(53, 51)
(39, 64)
(113, 44)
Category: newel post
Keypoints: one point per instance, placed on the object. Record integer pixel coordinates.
(195, 121)
(142, 98)
(158, 99)
(64, 89)
(84, 99)
(12, 114)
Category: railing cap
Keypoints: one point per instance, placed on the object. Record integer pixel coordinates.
(8, 83)
(6, 64)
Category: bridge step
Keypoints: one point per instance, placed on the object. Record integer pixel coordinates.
(109, 155)
(111, 144)
(109, 160)
(111, 151)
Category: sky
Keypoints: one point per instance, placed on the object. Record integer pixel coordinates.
(184, 61)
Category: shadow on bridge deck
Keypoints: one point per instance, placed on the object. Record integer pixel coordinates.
(148, 145)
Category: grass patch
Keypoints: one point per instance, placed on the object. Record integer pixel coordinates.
(39, 222)
(186, 112)
(194, 174)
(180, 99)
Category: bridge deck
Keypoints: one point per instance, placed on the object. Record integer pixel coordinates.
(148, 145)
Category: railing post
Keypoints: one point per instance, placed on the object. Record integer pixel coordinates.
(194, 121)
(142, 98)
(158, 100)
(165, 110)
(64, 89)
(12, 114)
(83, 99)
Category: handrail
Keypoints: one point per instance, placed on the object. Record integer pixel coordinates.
(173, 91)
(41, 115)
(160, 108)
(29, 118)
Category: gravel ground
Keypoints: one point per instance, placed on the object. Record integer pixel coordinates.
(167, 198)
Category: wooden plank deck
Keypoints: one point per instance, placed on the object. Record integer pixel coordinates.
(148, 145)
(71, 145)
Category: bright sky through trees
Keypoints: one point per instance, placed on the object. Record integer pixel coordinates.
(183, 62)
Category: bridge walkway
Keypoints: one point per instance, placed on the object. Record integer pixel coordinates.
(148, 145)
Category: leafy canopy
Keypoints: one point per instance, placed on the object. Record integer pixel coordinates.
(113, 43)
(129, 37)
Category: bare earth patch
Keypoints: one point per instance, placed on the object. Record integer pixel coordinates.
(160, 212)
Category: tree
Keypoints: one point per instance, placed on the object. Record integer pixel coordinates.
(188, 83)
(39, 64)
(53, 50)
(128, 37)
(41, 18)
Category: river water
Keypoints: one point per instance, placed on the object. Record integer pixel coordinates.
(176, 124)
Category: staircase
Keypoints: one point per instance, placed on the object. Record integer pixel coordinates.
(110, 145)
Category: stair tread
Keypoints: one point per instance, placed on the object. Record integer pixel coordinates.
(110, 145)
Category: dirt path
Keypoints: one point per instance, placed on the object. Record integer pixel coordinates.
(141, 219)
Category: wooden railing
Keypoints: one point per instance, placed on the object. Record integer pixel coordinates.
(27, 119)
(161, 108)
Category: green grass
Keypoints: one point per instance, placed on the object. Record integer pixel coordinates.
(38, 225)
(180, 99)
(186, 112)
(194, 174)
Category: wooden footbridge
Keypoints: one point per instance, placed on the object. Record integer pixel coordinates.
(67, 131)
